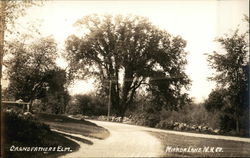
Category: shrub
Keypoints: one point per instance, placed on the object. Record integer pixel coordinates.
(87, 105)
(190, 117)
(24, 128)
(27, 131)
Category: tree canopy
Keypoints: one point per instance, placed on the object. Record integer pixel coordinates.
(30, 68)
(10, 10)
(216, 100)
(232, 68)
(129, 52)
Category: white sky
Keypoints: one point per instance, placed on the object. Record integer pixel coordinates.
(198, 22)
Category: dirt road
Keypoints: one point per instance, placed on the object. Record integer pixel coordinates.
(124, 141)
(131, 141)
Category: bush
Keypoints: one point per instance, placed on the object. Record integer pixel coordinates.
(26, 131)
(165, 124)
(21, 128)
(192, 117)
(87, 105)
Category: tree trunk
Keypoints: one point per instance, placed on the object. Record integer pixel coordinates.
(237, 124)
(114, 98)
(2, 28)
(236, 116)
(123, 111)
(122, 114)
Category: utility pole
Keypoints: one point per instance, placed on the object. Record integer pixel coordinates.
(109, 104)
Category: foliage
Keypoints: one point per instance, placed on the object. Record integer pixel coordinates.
(33, 74)
(57, 97)
(217, 103)
(10, 10)
(192, 114)
(55, 103)
(17, 121)
(23, 131)
(215, 100)
(231, 73)
(129, 52)
(87, 105)
(29, 68)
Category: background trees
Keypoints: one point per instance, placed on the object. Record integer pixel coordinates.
(215, 100)
(9, 12)
(231, 75)
(130, 52)
(56, 97)
(33, 73)
(89, 105)
(29, 66)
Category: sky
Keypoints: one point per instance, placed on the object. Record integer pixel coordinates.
(197, 22)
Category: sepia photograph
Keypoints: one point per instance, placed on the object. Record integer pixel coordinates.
(124, 78)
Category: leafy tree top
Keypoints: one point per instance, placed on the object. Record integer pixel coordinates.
(129, 51)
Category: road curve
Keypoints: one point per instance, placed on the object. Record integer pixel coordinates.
(198, 135)
(131, 141)
(124, 141)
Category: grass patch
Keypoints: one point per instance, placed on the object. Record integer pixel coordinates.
(21, 131)
(69, 125)
(230, 148)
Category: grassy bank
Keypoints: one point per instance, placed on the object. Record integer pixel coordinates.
(21, 133)
(229, 148)
(34, 131)
(66, 124)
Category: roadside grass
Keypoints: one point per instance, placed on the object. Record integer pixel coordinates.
(20, 131)
(70, 125)
(230, 148)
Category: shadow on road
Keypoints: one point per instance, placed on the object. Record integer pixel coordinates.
(77, 138)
